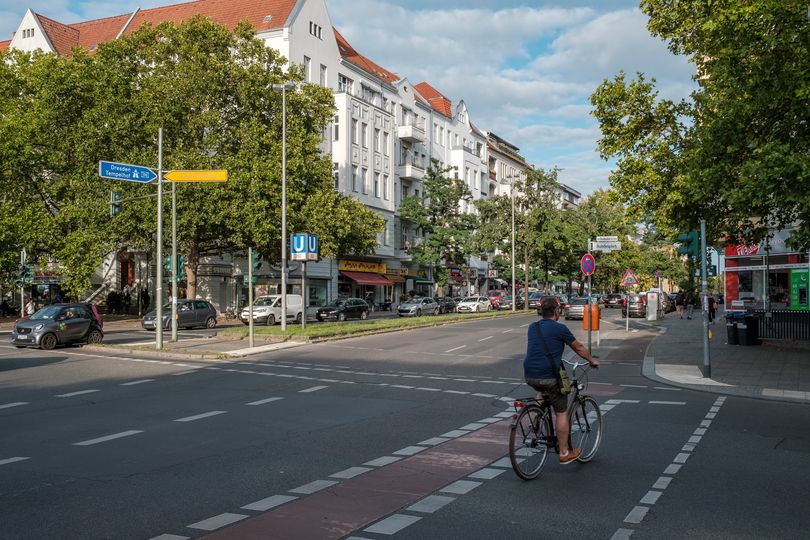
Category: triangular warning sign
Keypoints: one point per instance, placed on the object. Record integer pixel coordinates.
(629, 279)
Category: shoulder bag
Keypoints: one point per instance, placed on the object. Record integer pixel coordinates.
(561, 375)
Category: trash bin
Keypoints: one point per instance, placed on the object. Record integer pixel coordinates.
(732, 337)
(748, 330)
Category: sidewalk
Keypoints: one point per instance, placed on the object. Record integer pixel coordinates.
(769, 371)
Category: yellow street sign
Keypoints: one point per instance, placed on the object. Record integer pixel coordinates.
(196, 176)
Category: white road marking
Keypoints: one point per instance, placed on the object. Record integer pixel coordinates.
(409, 450)
(460, 487)
(459, 392)
(486, 474)
(217, 522)
(667, 403)
(169, 537)
(662, 482)
(507, 331)
(486, 338)
(672, 469)
(268, 503)
(79, 393)
(503, 462)
(681, 458)
(668, 389)
(189, 371)
(651, 497)
(455, 349)
(636, 514)
(434, 441)
(200, 416)
(312, 487)
(426, 389)
(12, 460)
(620, 401)
(382, 461)
(351, 472)
(622, 534)
(465, 380)
(133, 383)
(404, 386)
(430, 504)
(15, 404)
(313, 389)
(108, 438)
(392, 524)
(633, 386)
(453, 434)
(472, 427)
(263, 401)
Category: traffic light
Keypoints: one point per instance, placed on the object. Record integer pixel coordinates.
(167, 264)
(690, 244)
(256, 260)
(25, 274)
(181, 268)
(115, 207)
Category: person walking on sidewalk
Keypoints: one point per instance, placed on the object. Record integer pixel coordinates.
(712, 307)
(690, 303)
(679, 300)
(546, 344)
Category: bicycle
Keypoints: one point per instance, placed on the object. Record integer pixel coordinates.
(231, 313)
(532, 435)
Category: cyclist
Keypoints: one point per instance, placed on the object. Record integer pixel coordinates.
(538, 371)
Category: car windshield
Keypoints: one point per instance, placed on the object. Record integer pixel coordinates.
(267, 301)
(338, 303)
(471, 299)
(579, 301)
(46, 313)
(536, 295)
(495, 294)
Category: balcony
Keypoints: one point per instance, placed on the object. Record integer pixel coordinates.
(411, 170)
(411, 134)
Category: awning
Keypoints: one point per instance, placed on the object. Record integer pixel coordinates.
(395, 279)
(367, 278)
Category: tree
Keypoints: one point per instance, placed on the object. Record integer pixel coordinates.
(738, 152)
(440, 215)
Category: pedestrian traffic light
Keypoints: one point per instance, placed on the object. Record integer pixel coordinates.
(256, 260)
(115, 207)
(25, 273)
(690, 244)
(167, 264)
(181, 268)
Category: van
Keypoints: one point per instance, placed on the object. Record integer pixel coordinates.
(267, 309)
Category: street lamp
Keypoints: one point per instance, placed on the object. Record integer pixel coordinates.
(510, 180)
(289, 85)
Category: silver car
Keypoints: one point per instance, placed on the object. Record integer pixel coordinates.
(58, 324)
(416, 307)
(190, 314)
(474, 304)
(575, 309)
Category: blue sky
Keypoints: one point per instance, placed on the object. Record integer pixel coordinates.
(525, 69)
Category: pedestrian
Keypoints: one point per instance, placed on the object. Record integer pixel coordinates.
(30, 307)
(712, 308)
(57, 298)
(679, 303)
(690, 304)
(145, 300)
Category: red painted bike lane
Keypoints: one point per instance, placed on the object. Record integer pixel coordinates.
(353, 504)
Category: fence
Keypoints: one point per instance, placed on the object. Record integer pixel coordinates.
(793, 325)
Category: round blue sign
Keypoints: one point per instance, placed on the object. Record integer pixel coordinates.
(588, 264)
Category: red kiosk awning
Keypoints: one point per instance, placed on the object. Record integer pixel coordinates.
(367, 278)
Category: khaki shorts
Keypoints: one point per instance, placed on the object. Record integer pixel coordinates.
(549, 387)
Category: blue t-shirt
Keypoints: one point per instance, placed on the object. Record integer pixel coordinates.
(556, 335)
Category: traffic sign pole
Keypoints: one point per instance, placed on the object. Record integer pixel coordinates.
(159, 288)
(175, 270)
(707, 365)
(250, 297)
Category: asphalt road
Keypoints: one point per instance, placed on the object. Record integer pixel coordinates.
(391, 436)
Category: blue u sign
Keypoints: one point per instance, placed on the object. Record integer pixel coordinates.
(304, 247)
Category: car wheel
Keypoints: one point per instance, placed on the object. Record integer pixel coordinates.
(364, 315)
(94, 337)
(436, 311)
(341, 317)
(477, 309)
(418, 312)
(318, 318)
(211, 322)
(297, 319)
(48, 342)
(271, 320)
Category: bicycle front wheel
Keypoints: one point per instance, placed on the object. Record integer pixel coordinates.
(528, 442)
(586, 427)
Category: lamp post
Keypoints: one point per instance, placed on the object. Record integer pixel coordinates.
(283, 87)
(510, 180)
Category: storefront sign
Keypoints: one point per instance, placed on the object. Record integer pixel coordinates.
(799, 290)
(362, 266)
(456, 274)
(763, 267)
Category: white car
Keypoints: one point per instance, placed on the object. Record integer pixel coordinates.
(474, 304)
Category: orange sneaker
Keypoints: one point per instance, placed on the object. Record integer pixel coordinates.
(571, 456)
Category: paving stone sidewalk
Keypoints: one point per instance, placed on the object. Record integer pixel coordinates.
(773, 370)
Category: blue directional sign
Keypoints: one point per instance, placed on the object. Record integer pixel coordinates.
(304, 247)
(123, 171)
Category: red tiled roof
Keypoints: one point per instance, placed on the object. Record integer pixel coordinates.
(4, 45)
(62, 37)
(91, 33)
(436, 99)
(351, 55)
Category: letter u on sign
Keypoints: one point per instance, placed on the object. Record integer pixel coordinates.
(299, 247)
(312, 247)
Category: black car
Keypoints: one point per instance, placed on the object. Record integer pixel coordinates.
(340, 310)
(59, 324)
(446, 304)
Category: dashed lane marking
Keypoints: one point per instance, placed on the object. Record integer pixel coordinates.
(15, 404)
(106, 438)
(486, 338)
(431, 503)
(263, 401)
(392, 524)
(454, 349)
(79, 393)
(8, 461)
(313, 389)
(217, 522)
(200, 416)
(133, 383)
(312, 487)
(667, 403)
(269, 502)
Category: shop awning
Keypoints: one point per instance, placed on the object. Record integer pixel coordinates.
(367, 278)
(395, 279)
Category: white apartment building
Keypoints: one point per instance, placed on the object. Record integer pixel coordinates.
(384, 135)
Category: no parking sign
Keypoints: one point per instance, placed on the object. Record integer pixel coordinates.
(587, 264)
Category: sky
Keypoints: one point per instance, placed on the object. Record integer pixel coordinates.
(525, 69)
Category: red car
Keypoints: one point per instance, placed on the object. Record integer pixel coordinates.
(495, 298)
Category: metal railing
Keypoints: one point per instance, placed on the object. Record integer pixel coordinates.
(784, 324)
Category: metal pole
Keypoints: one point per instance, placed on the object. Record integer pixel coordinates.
(590, 313)
(250, 297)
(23, 259)
(304, 294)
(175, 269)
(514, 291)
(284, 207)
(159, 262)
(707, 366)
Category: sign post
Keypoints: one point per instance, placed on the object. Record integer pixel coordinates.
(304, 247)
(159, 260)
(250, 297)
(588, 265)
(23, 258)
(707, 364)
(628, 280)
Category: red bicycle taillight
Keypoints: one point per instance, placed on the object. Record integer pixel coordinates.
(519, 404)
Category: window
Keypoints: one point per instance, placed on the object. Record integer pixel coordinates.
(377, 185)
(385, 186)
(377, 140)
(365, 181)
(344, 83)
(386, 143)
(336, 128)
(404, 192)
(354, 178)
(441, 136)
(336, 174)
(307, 68)
(364, 135)
(322, 79)
(385, 232)
(315, 29)
(354, 131)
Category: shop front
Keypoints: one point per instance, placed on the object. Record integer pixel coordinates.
(366, 280)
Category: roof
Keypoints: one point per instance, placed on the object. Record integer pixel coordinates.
(436, 99)
(261, 14)
(348, 53)
(4, 45)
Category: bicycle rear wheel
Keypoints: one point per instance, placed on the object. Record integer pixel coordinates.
(586, 427)
(528, 442)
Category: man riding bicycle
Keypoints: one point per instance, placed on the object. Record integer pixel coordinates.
(538, 372)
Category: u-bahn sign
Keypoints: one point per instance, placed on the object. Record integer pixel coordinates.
(304, 247)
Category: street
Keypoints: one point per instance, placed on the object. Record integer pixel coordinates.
(400, 433)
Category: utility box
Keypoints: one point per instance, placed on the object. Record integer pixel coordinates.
(653, 305)
(591, 316)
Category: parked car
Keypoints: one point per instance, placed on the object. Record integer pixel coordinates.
(446, 304)
(416, 307)
(614, 300)
(340, 310)
(534, 300)
(190, 314)
(495, 298)
(267, 309)
(506, 302)
(474, 304)
(637, 304)
(575, 308)
(59, 324)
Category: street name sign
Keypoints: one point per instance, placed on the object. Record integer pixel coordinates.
(629, 279)
(588, 264)
(125, 171)
(607, 238)
(606, 246)
(196, 176)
